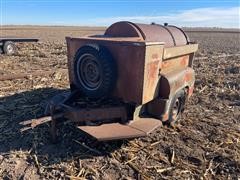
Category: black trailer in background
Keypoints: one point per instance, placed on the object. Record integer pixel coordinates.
(7, 45)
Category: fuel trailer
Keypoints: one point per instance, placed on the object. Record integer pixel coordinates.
(125, 83)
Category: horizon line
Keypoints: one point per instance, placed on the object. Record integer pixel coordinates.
(82, 25)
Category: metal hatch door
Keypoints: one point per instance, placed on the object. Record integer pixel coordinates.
(113, 131)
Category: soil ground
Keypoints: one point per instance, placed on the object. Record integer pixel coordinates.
(204, 145)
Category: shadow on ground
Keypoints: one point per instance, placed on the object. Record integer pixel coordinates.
(31, 104)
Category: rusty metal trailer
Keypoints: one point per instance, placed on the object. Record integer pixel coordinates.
(125, 83)
(7, 44)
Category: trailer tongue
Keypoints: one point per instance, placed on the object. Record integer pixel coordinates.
(105, 119)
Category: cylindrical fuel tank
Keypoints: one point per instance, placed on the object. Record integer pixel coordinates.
(170, 35)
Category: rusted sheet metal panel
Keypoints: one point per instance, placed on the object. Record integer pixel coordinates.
(171, 35)
(147, 125)
(173, 81)
(180, 37)
(174, 64)
(179, 51)
(123, 29)
(113, 131)
(130, 62)
(153, 60)
(95, 114)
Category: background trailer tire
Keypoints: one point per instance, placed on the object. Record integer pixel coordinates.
(7, 45)
(9, 48)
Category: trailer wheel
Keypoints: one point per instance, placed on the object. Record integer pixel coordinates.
(95, 71)
(9, 48)
(176, 107)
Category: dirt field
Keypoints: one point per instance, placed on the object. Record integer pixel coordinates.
(205, 145)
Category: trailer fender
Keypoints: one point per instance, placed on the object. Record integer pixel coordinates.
(172, 82)
(169, 85)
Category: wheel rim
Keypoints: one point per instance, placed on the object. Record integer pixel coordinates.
(10, 49)
(176, 109)
(89, 72)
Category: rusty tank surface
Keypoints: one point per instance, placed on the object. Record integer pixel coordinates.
(126, 82)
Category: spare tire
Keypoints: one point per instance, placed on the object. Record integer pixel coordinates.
(95, 71)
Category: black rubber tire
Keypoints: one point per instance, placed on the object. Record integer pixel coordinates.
(176, 112)
(95, 71)
(9, 48)
(1, 50)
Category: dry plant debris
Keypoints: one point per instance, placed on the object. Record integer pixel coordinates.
(204, 145)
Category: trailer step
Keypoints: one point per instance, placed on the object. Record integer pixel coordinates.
(113, 131)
